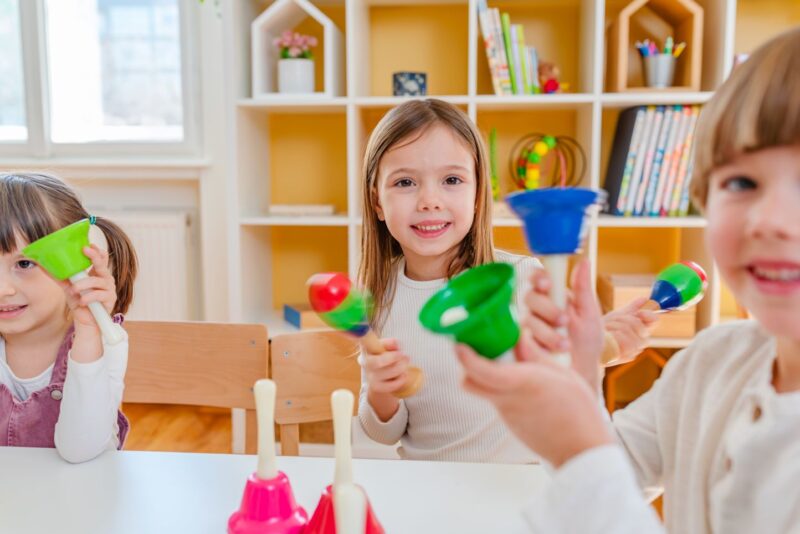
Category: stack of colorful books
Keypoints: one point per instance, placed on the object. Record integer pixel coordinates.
(651, 161)
(514, 67)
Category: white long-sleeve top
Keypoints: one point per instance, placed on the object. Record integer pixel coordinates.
(442, 421)
(92, 393)
(712, 432)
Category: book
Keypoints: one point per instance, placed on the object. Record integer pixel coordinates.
(649, 159)
(641, 157)
(302, 316)
(675, 161)
(623, 154)
(301, 209)
(509, 46)
(667, 132)
(535, 69)
(495, 49)
(683, 208)
(686, 152)
(519, 75)
(653, 205)
(634, 159)
(497, 31)
(489, 46)
(519, 32)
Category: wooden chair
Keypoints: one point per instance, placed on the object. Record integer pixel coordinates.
(307, 367)
(198, 364)
(615, 373)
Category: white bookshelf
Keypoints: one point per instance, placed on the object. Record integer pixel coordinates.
(589, 112)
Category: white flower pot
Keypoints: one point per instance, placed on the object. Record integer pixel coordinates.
(296, 75)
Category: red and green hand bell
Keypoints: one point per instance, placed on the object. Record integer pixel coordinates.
(343, 307)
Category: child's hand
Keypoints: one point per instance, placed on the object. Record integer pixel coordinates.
(98, 287)
(582, 318)
(550, 408)
(630, 327)
(386, 373)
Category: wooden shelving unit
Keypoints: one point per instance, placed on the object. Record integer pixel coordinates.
(309, 150)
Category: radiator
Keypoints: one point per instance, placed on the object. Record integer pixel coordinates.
(162, 243)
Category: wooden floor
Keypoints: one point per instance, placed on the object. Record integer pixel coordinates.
(178, 428)
(190, 429)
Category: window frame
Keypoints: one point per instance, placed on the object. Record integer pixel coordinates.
(37, 97)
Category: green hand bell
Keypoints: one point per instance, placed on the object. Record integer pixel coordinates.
(61, 255)
(475, 308)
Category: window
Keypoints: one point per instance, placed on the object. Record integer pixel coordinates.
(109, 77)
(119, 78)
(12, 89)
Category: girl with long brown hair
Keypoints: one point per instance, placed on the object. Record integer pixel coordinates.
(427, 217)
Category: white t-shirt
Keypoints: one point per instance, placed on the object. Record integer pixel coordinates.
(442, 421)
(21, 388)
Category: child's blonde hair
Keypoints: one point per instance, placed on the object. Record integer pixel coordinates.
(34, 205)
(757, 107)
(380, 251)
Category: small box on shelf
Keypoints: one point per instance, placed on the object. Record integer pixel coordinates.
(617, 290)
(301, 210)
(302, 316)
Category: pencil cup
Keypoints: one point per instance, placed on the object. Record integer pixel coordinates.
(659, 70)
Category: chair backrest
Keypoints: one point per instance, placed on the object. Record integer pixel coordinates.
(307, 367)
(197, 364)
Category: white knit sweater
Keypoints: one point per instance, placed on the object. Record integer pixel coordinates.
(712, 433)
(442, 421)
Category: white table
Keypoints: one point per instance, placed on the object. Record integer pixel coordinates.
(149, 492)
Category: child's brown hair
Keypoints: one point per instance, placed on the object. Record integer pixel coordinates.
(34, 205)
(380, 251)
(757, 107)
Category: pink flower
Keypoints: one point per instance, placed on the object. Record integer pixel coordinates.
(294, 44)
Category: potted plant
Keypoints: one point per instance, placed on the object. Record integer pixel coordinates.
(296, 64)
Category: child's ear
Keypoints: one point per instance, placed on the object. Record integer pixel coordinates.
(378, 208)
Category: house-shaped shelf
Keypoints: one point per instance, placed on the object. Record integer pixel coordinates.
(285, 15)
(655, 20)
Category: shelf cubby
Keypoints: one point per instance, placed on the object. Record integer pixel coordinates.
(277, 261)
(514, 125)
(420, 37)
(558, 31)
(292, 158)
(654, 20)
(640, 251)
(324, 22)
